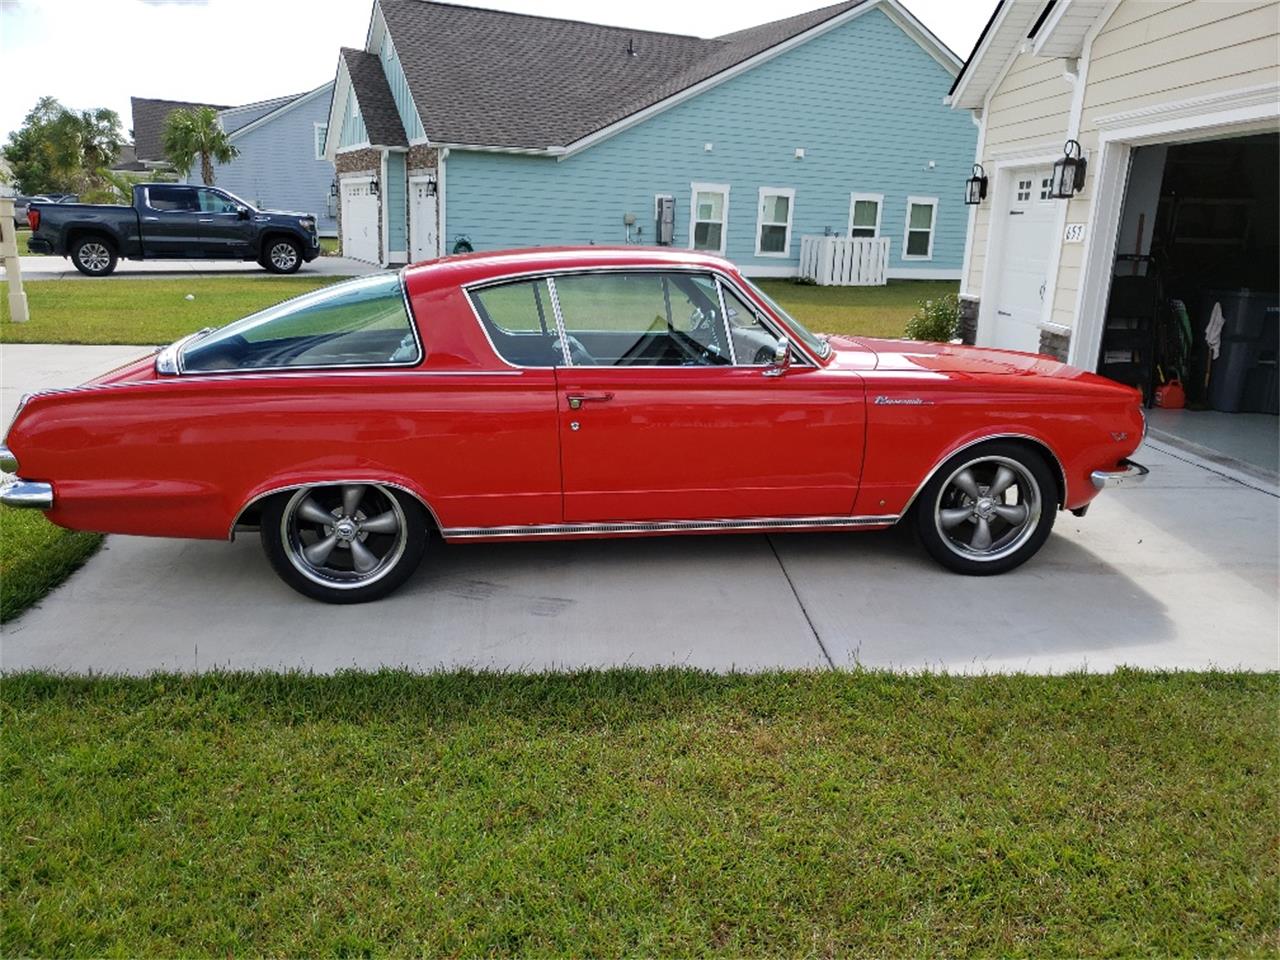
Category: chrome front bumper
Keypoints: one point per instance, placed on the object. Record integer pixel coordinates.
(16, 492)
(1128, 474)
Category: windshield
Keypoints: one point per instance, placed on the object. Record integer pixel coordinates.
(813, 342)
(361, 322)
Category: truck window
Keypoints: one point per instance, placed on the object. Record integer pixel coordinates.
(211, 201)
(172, 199)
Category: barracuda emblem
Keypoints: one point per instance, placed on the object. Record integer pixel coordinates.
(883, 401)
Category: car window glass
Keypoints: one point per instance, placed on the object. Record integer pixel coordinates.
(642, 319)
(171, 199)
(753, 343)
(213, 202)
(356, 323)
(521, 322)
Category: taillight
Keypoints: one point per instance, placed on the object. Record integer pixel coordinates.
(33, 217)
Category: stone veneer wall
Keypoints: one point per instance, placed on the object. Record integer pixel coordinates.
(367, 162)
(969, 320)
(1055, 344)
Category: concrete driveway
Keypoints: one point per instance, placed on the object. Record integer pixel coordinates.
(60, 268)
(1180, 573)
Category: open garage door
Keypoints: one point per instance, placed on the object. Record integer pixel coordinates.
(359, 219)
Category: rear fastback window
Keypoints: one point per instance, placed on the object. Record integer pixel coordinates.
(520, 322)
(361, 322)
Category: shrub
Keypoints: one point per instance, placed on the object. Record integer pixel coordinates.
(937, 319)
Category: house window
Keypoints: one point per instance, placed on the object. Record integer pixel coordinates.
(773, 228)
(864, 214)
(922, 214)
(709, 217)
(321, 131)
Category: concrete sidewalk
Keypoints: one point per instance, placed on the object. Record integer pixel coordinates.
(1180, 573)
(60, 268)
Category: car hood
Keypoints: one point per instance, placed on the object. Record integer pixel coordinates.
(869, 353)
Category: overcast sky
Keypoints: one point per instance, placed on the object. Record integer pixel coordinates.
(91, 53)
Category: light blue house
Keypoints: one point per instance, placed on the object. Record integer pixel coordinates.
(510, 130)
(281, 163)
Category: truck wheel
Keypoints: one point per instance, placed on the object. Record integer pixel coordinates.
(93, 256)
(282, 255)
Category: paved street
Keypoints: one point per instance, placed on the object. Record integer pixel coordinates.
(1181, 572)
(60, 268)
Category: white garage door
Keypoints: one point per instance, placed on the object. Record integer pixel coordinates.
(359, 220)
(1023, 274)
(422, 218)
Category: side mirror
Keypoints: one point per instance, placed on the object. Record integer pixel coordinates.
(242, 213)
(781, 359)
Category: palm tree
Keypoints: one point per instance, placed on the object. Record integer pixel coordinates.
(189, 134)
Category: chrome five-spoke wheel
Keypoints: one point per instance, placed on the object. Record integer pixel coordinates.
(344, 542)
(988, 509)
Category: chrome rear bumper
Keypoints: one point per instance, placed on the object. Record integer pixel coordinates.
(26, 494)
(1128, 474)
(8, 462)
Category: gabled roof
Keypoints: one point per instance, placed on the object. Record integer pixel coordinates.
(149, 116)
(498, 79)
(377, 106)
(280, 107)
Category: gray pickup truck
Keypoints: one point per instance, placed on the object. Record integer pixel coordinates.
(173, 221)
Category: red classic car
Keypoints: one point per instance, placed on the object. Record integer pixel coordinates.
(564, 393)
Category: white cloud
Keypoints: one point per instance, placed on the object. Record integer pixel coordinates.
(91, 53)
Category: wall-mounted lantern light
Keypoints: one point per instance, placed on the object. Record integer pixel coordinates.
(333, 187)
(431, 186)
(373, 186)
(1068, 173)
(975, 188)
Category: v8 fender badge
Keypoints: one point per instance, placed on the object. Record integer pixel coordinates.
(883, 401)
(1119, 436)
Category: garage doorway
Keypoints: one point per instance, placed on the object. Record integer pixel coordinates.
(422, 219)
(1193, 314)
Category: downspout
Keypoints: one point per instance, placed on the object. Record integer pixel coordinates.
(440, 200)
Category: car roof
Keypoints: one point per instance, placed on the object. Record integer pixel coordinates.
(494, 265)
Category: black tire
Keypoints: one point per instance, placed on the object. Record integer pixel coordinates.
(286, 534)
(281, 255)
(958, 541)
(94, 256)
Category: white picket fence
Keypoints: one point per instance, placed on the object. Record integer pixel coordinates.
(845, 261)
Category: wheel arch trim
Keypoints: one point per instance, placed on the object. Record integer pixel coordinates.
(262, 495)
(1051, 455)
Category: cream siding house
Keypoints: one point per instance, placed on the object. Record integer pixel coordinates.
(1116, 76)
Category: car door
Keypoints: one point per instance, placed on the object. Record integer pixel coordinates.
(667, 412)
(170, 221)
(225, 231)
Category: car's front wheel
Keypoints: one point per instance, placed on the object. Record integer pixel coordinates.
(93, 256)
(344, 543)
(988, 509)
(282, 255)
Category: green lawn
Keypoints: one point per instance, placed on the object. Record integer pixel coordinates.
(157, 311)
(36, 556)
(630, 813)
(142, 311)
(22, 238)
(329, 247)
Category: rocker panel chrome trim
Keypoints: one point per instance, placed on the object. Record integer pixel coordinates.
(669, 526)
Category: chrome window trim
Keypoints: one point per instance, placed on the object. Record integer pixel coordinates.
(1057, 463)
(559, 314)
(671, 526)
(774, 325)
(724, 321)
(244, 371)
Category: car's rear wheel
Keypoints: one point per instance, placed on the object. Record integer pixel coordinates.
(282, 255)
(344, 543)
(988, 509)
(93, 256)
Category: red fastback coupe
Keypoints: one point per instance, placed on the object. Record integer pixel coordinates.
(564, 393)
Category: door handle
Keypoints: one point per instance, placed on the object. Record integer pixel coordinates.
(151, 219)
(576, 400)
(206, 219)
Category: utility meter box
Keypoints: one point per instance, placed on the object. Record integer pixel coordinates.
(666, 227)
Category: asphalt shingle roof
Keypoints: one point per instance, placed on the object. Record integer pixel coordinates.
(377, 106)
(148, 123)
(494, 78)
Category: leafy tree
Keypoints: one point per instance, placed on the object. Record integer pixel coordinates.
(57, 150)
(196, 134)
